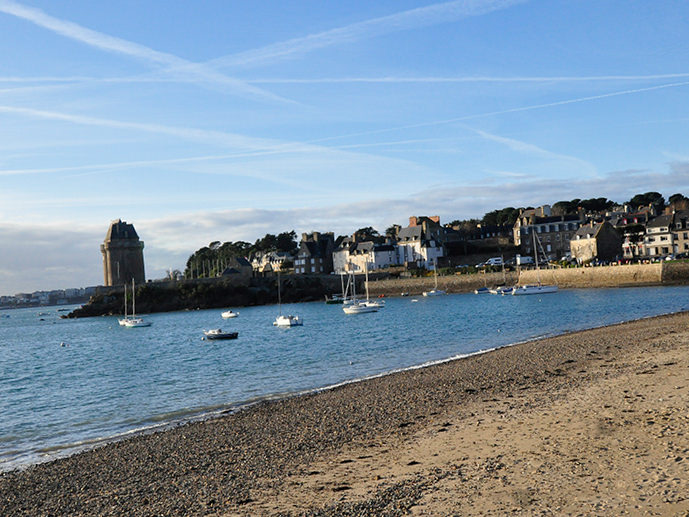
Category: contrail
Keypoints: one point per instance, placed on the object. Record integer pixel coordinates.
(108, 43)
(504, 112)
(405, 20)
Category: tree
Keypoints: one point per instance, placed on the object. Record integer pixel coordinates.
(367, 234)
(649, 198)
(506, 216)
(565, 207)
(286, 241)
(391, 231)
(679, 202)
(597, 204)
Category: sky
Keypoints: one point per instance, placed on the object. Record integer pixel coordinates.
(224, 121)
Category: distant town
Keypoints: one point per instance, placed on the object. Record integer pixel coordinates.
(575, 233)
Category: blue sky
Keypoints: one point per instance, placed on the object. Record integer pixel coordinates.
(216, 120)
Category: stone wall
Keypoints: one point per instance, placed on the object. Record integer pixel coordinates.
(450, 283)
(675, 272)
(584, 277)
(601, 276)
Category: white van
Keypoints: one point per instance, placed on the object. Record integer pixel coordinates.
(523, 260)
(494, 261)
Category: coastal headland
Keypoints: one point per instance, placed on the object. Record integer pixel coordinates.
(587, 423)
(221, 292)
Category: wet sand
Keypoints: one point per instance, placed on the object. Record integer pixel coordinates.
(590, 423)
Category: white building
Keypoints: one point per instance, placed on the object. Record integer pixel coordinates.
(419, 247)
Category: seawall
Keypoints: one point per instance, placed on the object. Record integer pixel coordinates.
(664, 273)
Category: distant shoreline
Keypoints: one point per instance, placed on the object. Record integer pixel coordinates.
(218, 293)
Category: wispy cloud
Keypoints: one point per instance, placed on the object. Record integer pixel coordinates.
(411, 19)
(241, 142)
(175, 65)
(534, 150)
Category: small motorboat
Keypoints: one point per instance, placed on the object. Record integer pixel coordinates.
(219, 334)
(229, 314)
(288, 321)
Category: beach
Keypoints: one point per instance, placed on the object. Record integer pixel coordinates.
(588, 423)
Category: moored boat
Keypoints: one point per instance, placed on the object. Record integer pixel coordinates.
(534, 289)
(288, 321)
(219, 334)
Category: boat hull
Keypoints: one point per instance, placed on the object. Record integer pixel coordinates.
(222, 335)
(359, 308)
(534, 289)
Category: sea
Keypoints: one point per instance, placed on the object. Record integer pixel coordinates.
(71, 384)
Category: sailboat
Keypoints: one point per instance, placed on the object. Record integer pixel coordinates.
(354, 305)
(435, 291)
(133, 320)
(285, 320)
(534, 288)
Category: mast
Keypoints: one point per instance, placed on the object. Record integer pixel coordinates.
(133, 300)
(366, 271)
(535, 253)
(435, 273)
(279, 296)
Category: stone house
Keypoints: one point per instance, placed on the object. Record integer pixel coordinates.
(269, 262)
(420, 246)
(659, 239)
(680, 230)
(553, 233)
(632, 226)
(315, 255)
(596, 241)
(362, 255)
(238, 269)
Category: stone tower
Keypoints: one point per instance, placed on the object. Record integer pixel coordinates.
(123, 255)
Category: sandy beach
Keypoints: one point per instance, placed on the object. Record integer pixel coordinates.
(590, 423)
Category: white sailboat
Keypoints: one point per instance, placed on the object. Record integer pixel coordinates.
(534, 288)
(134, 321)
(287, 320)
(353, 305)
(435, 291)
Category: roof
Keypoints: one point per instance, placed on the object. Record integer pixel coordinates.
(660, 221)
(410, 233)
(121, 230)
(533, 220)
(588, 230)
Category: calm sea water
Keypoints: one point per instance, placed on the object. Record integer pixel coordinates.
(70, 384)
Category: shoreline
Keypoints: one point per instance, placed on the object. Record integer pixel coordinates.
(208, 414)
(233, 461)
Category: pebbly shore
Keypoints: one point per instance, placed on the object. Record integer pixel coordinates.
(531, 429)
